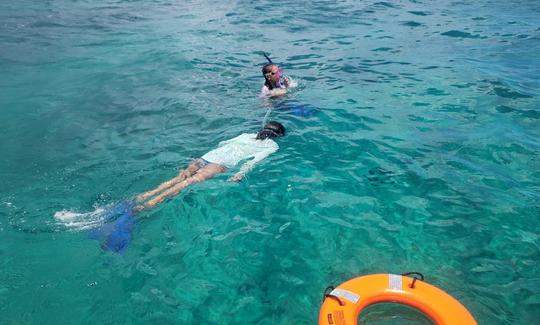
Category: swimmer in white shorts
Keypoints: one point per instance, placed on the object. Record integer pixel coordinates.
(253, 146)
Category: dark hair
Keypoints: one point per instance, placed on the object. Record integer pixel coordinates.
(271, 130)
(267, 68)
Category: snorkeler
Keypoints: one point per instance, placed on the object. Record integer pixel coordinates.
(228, 154)
(275, 83)
(118, 220)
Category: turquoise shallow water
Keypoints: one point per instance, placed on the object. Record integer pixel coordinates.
(421, 153)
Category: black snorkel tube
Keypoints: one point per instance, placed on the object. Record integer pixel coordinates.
(266, 56)
(270, 107)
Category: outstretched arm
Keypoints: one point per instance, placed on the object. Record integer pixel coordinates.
(278, 92)
(265, 92)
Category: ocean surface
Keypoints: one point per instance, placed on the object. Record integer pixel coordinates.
(413, 144)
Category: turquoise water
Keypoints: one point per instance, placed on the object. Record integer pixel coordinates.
(421, 154)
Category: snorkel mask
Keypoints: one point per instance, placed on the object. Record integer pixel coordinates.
(266, 134)
(269, 132)
(268, 74)
(279, 73)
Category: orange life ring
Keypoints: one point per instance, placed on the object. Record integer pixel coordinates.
(343, 305)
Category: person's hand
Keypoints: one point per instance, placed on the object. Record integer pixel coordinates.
(287, 82)
(236, 177)
(278, 92)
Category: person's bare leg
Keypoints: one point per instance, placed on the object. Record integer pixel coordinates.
(202, 174)
(188, 172)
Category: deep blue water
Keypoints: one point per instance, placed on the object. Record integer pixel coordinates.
(419, 152)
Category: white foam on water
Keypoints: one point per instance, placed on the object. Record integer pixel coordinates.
(81, 221)
(292, 83)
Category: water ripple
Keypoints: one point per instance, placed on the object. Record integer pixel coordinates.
(412, 144)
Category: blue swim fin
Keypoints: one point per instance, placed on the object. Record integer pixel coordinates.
(299, 109)
(115, 233)
(120, 237)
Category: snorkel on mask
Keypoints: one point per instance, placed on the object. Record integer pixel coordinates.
(267, 74)
(272, 129)
(266, 134)
(269, 60)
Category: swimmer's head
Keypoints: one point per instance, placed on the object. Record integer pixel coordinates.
(271, 130)
(271, 71)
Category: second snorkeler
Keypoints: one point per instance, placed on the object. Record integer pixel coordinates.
(275, 83)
